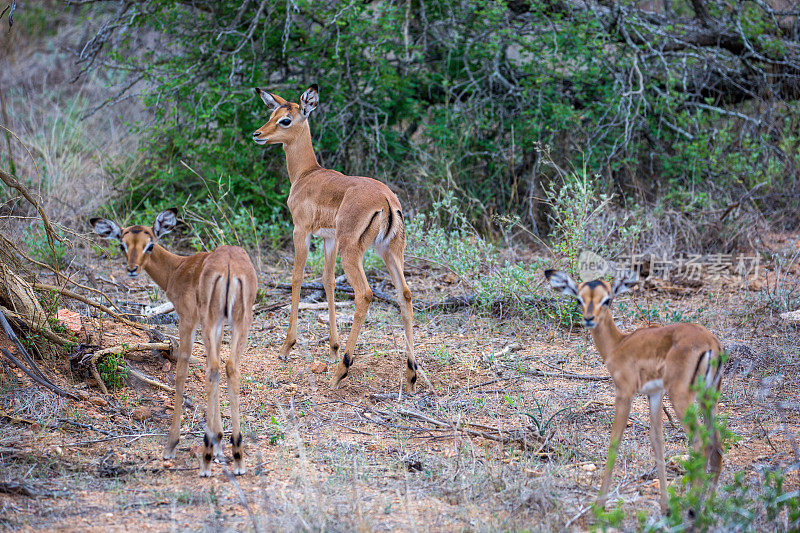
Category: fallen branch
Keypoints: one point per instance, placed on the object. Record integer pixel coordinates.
(15, 487)
(317, 286)
(150, 381)
(34, 373)
(47, 334)
(519, 435)
(563, 375)
(52, 236)
(75, 296)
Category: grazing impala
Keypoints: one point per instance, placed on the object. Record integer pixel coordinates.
(650, 360)
(351, 213)
(209, 288)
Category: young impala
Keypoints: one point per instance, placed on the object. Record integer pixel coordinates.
(209, 288)
(351, 213)
(650, 360)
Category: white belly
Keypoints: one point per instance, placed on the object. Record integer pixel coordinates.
(326, 233)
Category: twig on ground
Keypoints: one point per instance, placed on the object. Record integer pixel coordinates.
(87, 301)
(562, 375)
(34, 373)
(147, 379)
(15, 487)
(491, 381)
(242, 498)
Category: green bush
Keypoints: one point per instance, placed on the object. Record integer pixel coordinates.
(112, 370)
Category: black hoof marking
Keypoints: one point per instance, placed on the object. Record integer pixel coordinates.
(237, 456)
(207, 458)
(346, 361)
(413, 379)
(206, 441)
(219, 438)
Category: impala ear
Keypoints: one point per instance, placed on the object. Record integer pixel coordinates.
(165, 222)
(624, 283)
(273, 101)
(562, 282)
(108, 229)
(309, 100)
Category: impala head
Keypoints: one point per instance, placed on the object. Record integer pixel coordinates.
(594, 297)
(136, 242)
(288, 119)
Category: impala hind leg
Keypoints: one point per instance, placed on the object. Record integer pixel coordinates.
(394, 263)
(301, 240)
(328, 282)
(238, 346)
(185, 343)
(622, 410)
(354, 270)
(212, 439)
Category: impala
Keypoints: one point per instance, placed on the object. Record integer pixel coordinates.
(649, 360)
(209, 288)
(351, 214)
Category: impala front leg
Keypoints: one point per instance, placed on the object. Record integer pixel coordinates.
(301, 242)
(185, 343)
(622, 411)
(328, 282)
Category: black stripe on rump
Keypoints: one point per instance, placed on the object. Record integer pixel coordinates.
(369, 224)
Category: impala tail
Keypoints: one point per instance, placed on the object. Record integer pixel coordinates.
(227, 293)
(389, 222)
(710, 365)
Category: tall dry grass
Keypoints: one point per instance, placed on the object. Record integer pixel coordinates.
(70, 156)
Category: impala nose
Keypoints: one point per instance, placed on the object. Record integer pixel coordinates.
(133, 271)
(589, 322)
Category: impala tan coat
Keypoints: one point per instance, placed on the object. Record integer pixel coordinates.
(207, 288)
(652, 361)
(351, 214)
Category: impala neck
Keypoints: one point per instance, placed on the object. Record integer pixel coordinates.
(300, 157)
(161, 265)
(606, 334)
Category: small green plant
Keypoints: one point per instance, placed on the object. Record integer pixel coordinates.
(540, 420)
(112, 370)
(275, 431)
(608, 520)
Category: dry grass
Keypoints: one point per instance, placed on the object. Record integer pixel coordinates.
(355, 459)
(68, 156)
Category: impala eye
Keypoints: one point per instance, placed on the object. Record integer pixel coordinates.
(149, 248)
(285, 122)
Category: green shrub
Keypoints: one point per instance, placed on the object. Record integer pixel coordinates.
(112, 370)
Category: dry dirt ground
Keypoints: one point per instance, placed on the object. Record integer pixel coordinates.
(462, 455)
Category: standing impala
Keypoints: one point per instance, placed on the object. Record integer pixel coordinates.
(351, 213)
(650, 360)
(209, 288)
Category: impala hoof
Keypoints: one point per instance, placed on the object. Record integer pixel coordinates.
(168, 454)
